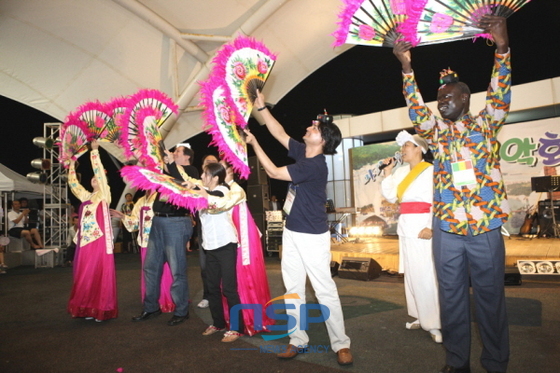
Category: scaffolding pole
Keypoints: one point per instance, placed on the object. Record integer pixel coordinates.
(56, 203)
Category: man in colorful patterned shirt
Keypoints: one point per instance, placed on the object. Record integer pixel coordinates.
(470, 203)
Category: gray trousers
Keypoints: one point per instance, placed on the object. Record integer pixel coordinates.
(483, 257)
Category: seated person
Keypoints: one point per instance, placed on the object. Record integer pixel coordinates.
(33, 216)
(17, 220)
(70, 244)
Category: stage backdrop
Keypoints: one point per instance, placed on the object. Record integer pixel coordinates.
(528, 149)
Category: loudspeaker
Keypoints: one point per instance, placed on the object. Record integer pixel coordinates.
(257, 198)
(260, 221)
(545, 217)
(258, 174)
(512, 276)
(359, 269)
(334, 268)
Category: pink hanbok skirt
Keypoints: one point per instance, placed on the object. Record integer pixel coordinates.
(94, 291)
(252, 282)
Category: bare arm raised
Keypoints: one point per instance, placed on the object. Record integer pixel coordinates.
(272, 124)
(278, 173)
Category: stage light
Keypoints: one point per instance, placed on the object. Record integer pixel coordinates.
(37, 177)
(539, 267)
(545, 268)
(41, 164)
(43, 142)
(526, 267)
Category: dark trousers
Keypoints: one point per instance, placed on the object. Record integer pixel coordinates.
(221, 275)
(202, 259)
(483, 256)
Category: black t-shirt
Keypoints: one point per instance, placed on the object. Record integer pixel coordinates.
(163, 207)
(309, 179)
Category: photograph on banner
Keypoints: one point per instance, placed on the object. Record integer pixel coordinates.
(373, 209)
(528, 149)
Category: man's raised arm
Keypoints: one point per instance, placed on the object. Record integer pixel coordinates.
(272, 124)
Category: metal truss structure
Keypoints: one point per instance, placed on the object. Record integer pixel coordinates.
(55, 195)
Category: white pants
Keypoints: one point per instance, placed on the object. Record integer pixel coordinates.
(305, 255)
(420, 281)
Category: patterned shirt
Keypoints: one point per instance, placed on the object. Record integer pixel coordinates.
(481, 206)
(140, 219)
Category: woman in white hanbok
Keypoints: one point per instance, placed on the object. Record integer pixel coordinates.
(412, 186)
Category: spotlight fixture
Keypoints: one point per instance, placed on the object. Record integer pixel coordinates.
(37, 177)
(545, 268)
(43, 142)
(526, 267)
(41, 164)
(538, 267)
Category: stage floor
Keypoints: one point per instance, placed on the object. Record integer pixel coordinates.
(385, 250)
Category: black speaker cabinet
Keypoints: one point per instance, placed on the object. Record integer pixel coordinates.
(258, 174)
(334, 268)
(545, 217)
(260, 221)
(364, 269)
(257, 198)
(512, 276)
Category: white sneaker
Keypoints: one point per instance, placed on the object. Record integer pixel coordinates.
(436, 335)
(413, 325)
(203, 304)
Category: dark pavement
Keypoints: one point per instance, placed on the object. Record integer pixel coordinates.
(37, 335)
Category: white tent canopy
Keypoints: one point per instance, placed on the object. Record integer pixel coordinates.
(11, 181)
(59, 54)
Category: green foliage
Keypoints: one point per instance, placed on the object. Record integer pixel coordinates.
(369, 154)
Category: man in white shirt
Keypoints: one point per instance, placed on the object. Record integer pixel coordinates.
(17, 220)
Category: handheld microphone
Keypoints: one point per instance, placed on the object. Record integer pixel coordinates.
(397, 158)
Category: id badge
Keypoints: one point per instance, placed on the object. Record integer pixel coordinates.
(290, 197)
(463, 173)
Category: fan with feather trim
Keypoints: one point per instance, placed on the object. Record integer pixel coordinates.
(73, 141)
(438, 21)
(97, 119)
(146, 112)
(370, 22)
(166, 185)
(242, 67)
(221, 125)
(116, 108)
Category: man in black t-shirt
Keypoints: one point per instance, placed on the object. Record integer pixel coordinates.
(306, 237)
(170, 232)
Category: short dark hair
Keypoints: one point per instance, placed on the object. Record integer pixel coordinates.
(209, 155)
(188, 151)
(331, 135)
(463, 87)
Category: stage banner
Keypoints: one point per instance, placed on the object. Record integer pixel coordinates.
(528, 149)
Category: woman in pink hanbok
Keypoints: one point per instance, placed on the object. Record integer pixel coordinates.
(140, 220)
(94, 291)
